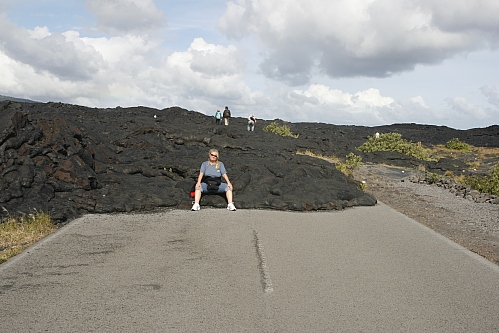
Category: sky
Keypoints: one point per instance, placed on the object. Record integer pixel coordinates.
(345, 62)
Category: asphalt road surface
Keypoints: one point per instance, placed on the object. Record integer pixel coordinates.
(365, 269)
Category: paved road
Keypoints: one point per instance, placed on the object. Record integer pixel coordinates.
(366, 269)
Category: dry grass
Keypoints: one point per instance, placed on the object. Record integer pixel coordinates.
(478, 152)
(17, 234)
(477, 158)
(332, 159)
(484, 152)
(347, 165)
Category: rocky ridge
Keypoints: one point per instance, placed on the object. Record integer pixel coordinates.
(68, 160)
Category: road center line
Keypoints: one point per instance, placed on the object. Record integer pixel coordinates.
(262, 264)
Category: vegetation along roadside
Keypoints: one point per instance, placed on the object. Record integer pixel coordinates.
(482, 175)
(19, 233)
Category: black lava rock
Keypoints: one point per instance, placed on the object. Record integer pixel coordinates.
(68, 160)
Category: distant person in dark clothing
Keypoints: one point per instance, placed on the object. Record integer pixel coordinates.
(226, 116)
(251, 122)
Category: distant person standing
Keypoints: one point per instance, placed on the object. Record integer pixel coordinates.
(218, 116)
(377, 135)
(226, 116)
(251, 122)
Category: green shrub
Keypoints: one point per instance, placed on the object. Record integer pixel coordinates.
(485, 184)
(362, 186)
(352, 161)
(431, 177)
(280, 130)
(394, 142)
(456, 144)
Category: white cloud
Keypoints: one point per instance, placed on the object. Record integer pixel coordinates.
(39, 33)
(22, 80)
(215, 60)
(293, 42)
(125, 16)
(204, 72)
(348, 38)
(50, 52)
(372, 98)
(123, 70)
(321, 94)
(464, 108)
(491, 94)
(318, 94)
(320, 102)
(478, 16)
(418, 100)
(127, 53)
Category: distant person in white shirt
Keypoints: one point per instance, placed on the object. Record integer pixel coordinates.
(251, 122)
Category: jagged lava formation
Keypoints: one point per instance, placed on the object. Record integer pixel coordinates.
(69, 160)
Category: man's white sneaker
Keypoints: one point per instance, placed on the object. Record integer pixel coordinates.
(196, 207)
(231, 206)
